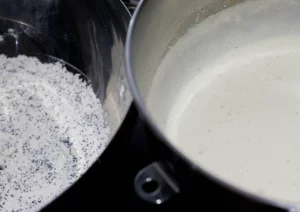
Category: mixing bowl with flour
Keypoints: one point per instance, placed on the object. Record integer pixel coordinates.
(63, 94)
(219, 81)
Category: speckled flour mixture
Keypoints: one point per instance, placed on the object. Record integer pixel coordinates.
(52, 129)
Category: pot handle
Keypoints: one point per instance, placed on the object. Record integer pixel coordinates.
(154, 184)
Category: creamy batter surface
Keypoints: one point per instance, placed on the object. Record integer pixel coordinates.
(236, 111)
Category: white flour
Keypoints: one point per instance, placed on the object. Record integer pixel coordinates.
(51, 130)
(231, 86)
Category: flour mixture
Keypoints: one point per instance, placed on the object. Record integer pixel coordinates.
(237, 105)
(51, 130)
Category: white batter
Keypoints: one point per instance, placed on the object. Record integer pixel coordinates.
(233, 95)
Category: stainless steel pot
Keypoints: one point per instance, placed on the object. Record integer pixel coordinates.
(88, 36)
(156, 25)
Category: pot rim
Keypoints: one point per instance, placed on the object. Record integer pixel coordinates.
(145, 115)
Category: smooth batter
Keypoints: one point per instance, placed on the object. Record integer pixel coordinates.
(236, 111)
